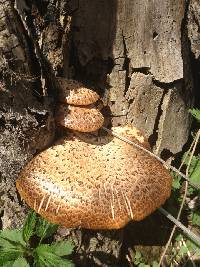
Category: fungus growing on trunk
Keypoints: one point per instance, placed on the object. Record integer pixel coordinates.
(82, 118)
(75, 93)
(94, 182)
(80, 114)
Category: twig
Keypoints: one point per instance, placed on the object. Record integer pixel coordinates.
(185, 230)
(129, 258)
(191, 256)
(188, 253)
(151, 154)
(194, 144)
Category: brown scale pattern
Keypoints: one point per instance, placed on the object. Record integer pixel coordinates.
(82, 119)
(95, 182)
(75, 93)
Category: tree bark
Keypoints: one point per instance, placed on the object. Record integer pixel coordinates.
(26, 121)
(137, 54)
(149, 55)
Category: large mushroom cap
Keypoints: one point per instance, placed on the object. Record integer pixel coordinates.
(96, 183)
(75, 93)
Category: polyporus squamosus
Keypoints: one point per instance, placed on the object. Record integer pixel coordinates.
(95, 182)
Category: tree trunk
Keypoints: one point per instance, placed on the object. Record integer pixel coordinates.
(137, 54)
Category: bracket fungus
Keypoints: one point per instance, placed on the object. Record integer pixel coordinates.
(75, 93)
(82, 119)
(80, 114)
(95, 182)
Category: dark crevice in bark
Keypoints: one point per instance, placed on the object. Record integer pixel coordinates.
(166, 154)
(1, 216)
(188, 85)
(196, 76)
(126, 66)
(154, 136)
(167, 86)
(189, 88)
(195, 62)
(110, 64)
(28, 46)
(144, 70)
(43, 64)
(94, 73)
(155, 35)
(119, 116)
(2, 122)
(25, 39)
(19, 199)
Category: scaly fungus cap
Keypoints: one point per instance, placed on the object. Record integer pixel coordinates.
(75, 93)
(81, 114)
(95, 182)
(82, 119)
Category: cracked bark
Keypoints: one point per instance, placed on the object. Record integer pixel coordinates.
(137, 55)
(26, 123)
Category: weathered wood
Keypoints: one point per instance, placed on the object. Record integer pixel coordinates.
(194, 26)
(148, 64)
(151, 33)
(26, 123)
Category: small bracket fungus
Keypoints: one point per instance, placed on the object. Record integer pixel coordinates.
(82, 119)
(75, 93)
(94, 182)
(80, 114)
